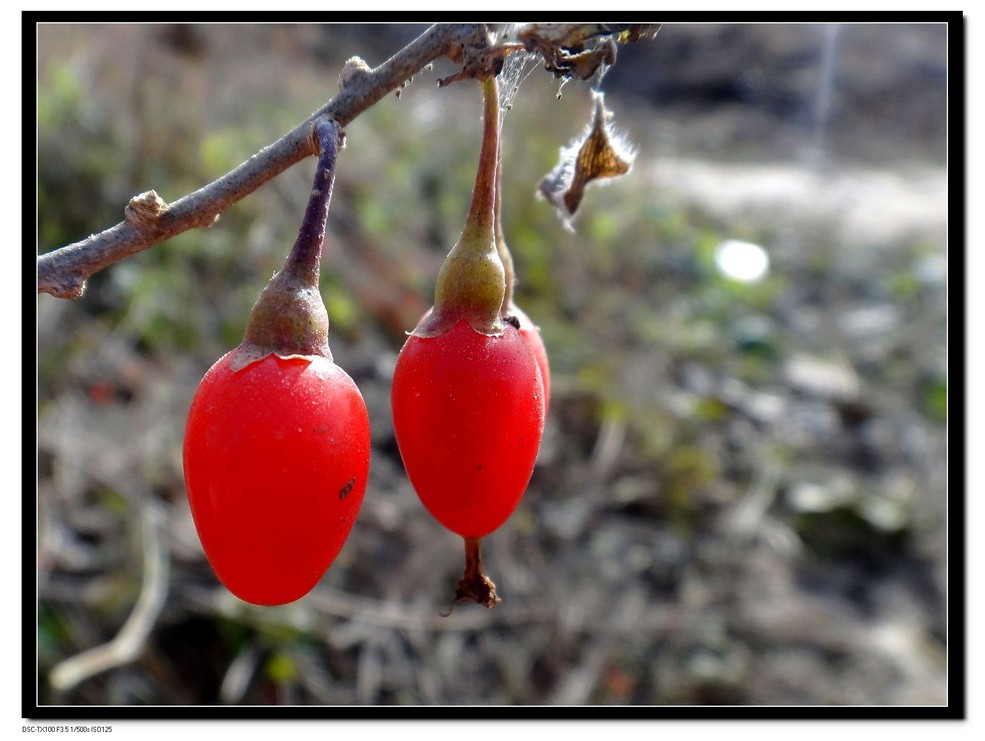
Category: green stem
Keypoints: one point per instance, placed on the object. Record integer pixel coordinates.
(471, 282)
(501, 247)
(481, 210)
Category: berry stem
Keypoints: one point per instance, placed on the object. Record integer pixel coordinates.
(304, 261)
(501, 248)
(289, 319)
(481, 210)
(471, 282)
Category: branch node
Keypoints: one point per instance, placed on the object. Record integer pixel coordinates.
(315, 136)
(580, 49)
(71, 287)
(480, 59)
(354, 70)
(145, 210)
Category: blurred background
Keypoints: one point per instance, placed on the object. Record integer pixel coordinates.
(741, 496)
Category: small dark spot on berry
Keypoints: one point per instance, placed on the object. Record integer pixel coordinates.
(344, 491)
(515, 321)
(479, 467)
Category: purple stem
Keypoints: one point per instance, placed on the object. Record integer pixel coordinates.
(305, 259)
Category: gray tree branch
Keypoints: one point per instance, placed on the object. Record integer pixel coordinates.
(149, 220)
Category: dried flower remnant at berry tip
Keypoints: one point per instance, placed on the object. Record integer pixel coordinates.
(598, 153)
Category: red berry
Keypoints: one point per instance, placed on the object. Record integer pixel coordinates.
(530, 333)
(468, 413)
(277, 445)
(468, 397)
(276, 459)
